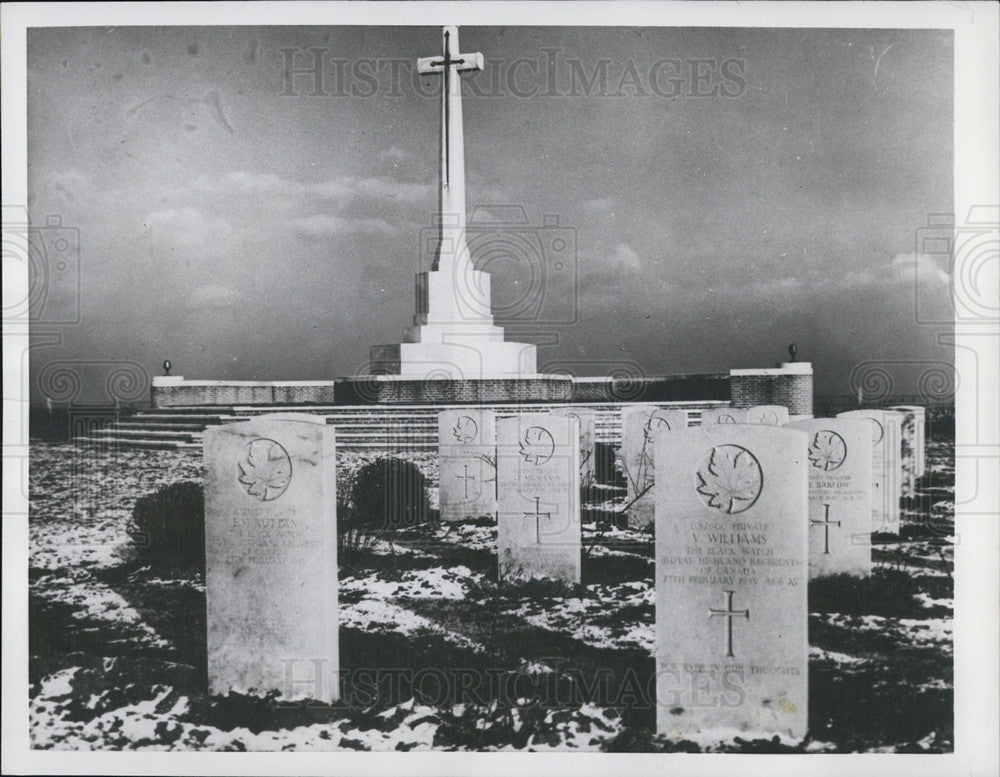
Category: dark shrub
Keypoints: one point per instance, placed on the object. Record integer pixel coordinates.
(168, 527)
(389, 494)
(605, 471)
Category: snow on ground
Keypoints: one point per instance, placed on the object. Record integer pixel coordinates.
(926, 601)
(931, 632)
(95, 601)
(157, 722)
(721, 738)
(577, 730)
(818, 654)
(80, 542)
(375, 615)
(432, 583)
(575, 616)
(466, 535)
(80, 505)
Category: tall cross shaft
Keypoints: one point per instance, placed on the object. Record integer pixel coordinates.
(451, 192)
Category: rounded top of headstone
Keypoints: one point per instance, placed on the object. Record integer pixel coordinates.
(166, 366)
(793, 351)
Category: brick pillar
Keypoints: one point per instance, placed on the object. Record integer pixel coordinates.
(790, 385)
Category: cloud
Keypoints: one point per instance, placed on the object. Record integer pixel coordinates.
(245, 182)
(392, 154)
(601, 204)
(323, 224)
(919, 266)
(213, 295)
(625, 256)
(189, 229)
(344, 188)
(373, 187)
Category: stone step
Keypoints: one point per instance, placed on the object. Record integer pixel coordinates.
(137, 442)
(157, 426)
(179, 418)
(373, 431)
(161, 444)
(359, 427)
(115, 429)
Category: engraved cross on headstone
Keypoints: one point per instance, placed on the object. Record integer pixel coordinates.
(729, 613)
(466, 477)
(538, 515)
(826, 523)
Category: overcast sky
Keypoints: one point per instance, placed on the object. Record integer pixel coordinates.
(249, 234)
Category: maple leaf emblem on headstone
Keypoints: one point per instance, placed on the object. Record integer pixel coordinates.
(827, 450)
(465, 429)
(265, 470)
(730, 479)
(537, 446)
(769, 418)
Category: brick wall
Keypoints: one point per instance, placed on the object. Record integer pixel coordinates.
(744, 388)
(176, 392)
(671, 388)
(419, 392)
(790, 387)
(183, 394)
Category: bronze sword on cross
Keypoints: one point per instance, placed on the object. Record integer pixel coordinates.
(451, 103)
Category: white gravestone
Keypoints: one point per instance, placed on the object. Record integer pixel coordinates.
(722, 415)
(588, 436)
(840, 495)
(769, 415)
(640, 424)
(467, 463)
(538, 497)
(886, 466)
(271, 556)
(912, 445)
(731, 580)
(920, 445)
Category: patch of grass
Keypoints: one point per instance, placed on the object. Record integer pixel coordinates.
(510, 591)
(888, 593)
(866, 708)
(610, 570)
(872, 644)
(930, 528)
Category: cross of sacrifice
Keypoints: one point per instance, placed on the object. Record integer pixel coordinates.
(450, 64)
(729, 613)
(826, 523)
(537, 515)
